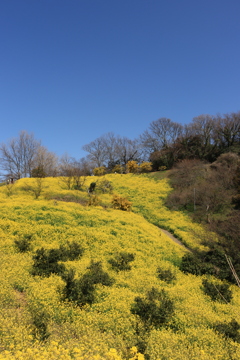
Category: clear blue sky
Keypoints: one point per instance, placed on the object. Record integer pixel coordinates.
(72, 70)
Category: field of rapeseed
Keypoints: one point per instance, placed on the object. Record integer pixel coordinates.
(43, 317)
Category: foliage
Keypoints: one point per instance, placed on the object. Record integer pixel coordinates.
(92, 187)
(105, 186)
(162, 168)
(191, 264)
(132, 166)
(217, 292)
(121, 261)
(99, 171)
(24, 243)
(121, 203)
(93, 200)
(40, 322)
(145, 167)
(35, 187)
(119, 169)
(71, 251)
(212, 262)
(166, 275)
(229, 329)
(38, 172)
(9, 189)
(155, 309)
(46, 262)
(81, 291)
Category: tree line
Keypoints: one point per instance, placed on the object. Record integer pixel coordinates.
(163, 144)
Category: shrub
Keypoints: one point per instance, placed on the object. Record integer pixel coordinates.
(40, 323)
(46, 262)
(145, 167)
(77, 290)
(162, 168)
(121, 261)
(229, 330)
(191, 264)
(165, 275)
(236, 201)
(216, 260)
(156, 309)
(96, 275)
(119, 169)
(10, 189)
(81, 291)
(93, 200)
(99, 171)
(24, 244)
(121, 203)
(71, 251)
(219, 292)
(105, 186)
(132, 166)
(92, 187)
(36, 187)
(38, 172)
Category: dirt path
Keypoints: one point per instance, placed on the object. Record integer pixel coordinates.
(174, 239)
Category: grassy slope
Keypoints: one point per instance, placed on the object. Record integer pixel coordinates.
(108, 323)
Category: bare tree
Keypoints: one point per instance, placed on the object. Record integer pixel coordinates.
(128, 150)
(73, 172)
(17, 156)
(109, 150)
(36, 187)
(202, 125)
(97, 151)
(161, 134)
(45, 162)
(202, 129)
(227, 130)
(66, 170)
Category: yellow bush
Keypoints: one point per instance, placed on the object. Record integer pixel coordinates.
(145, 167)
(99, 171)
(132, 167)
(121, 203)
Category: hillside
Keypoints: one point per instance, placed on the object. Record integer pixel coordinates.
(44, 317)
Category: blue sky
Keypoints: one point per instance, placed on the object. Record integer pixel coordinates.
(73, 70)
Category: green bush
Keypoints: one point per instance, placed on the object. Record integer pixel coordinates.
(92, 187)
(96, 275)
(219, 292)
(77, 290)
(46, 262)
(165, 275)
(82, 291)
(191, 264)
(121, 261)
(40, 322)
(156, 309)
(70, 251)
(212, 262)
(219, 266)
(104, 186)
(229, 330)
(24, 244)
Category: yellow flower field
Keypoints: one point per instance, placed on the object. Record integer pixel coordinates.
(107, 328)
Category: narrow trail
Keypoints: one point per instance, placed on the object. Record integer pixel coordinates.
(175, 239)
